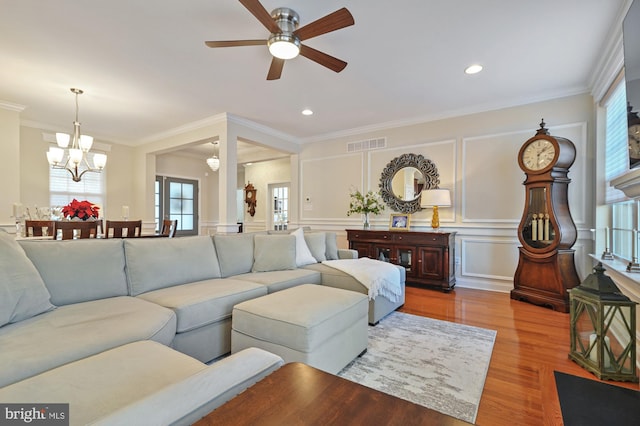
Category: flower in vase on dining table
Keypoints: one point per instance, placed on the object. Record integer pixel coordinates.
(83, 210)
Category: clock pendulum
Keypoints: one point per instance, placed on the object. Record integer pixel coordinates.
(546, 266)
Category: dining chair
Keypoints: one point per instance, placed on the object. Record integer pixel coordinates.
(69, 230)
(169, 228)
(122, 228)
(38, 228)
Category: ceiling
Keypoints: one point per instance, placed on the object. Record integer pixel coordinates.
(145, 69)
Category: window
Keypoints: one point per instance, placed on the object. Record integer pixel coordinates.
(62, 189)
(177, 199)
(617, 149)
(624, 212)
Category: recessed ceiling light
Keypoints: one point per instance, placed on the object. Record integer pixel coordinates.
(307, 111)
(473, 69)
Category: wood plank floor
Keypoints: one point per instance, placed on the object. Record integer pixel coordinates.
(531, 343)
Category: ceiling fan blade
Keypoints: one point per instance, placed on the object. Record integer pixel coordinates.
(323, 59)
(275, 70)
(257, 10)
(334, 21)
(234, 43)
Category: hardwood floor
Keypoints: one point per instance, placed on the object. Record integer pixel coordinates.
(531, 343)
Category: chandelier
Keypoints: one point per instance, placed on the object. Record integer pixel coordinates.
(76, 158)
(213, 161)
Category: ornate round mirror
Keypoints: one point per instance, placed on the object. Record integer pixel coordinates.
(403, 180)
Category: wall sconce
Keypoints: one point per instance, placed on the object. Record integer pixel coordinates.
(435, 198)
(603, 328)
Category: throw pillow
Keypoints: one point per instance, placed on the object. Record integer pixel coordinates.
(332, 246)
(22, 291)
(235, 253)
(274, 253)
(317, 243)
(303, 255)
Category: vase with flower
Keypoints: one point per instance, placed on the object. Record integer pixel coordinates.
(365, 204)
(81, 210)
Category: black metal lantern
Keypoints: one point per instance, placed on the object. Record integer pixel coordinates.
(603, 325)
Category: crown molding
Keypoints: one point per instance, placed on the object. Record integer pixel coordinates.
(217, 119)
(11, 106)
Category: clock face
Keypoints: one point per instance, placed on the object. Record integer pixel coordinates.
(634, 141)
(249, 194)
(538, 154)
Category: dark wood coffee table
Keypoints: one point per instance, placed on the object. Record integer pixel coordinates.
(297, 394)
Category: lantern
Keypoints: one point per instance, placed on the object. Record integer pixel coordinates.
(602, 326)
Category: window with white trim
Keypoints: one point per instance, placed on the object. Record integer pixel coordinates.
(617, 148)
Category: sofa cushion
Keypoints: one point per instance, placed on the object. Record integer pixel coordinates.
(143, 382)
(274, 253)
(82, 270)
(332, 246)
(22, 291)
(154, 263)
(279, 280)
(73, 332)
(204, 302)
(303, 254)
(235, 253)
(317, 243)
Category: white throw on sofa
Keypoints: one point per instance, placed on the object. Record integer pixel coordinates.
(70, 310)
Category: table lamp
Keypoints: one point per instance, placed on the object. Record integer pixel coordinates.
(435, 198)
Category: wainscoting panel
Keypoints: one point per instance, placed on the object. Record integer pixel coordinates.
(489, 258)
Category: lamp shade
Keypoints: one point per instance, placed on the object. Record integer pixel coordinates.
(435, 197)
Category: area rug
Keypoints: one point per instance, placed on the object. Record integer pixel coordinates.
(437, 364)
(586, 402)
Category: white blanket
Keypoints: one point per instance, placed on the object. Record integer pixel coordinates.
(380, 278)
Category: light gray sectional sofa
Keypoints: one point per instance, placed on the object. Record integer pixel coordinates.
(122, 329)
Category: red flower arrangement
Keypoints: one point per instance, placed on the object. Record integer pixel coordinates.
(81, 209)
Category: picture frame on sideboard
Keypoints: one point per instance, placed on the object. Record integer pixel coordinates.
(399, 222)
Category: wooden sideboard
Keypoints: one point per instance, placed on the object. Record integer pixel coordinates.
(428, 257)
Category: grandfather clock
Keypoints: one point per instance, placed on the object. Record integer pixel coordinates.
(546, 266)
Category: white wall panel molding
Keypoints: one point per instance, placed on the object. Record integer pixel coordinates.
(489, 258)
(325, 184)
(482, 205)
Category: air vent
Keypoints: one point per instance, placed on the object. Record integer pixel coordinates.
(367, 145)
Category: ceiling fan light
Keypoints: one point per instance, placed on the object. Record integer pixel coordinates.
(284, 46)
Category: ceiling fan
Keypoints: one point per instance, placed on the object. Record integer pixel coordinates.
(285, 39)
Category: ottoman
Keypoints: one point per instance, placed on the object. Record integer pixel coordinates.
(320, 326)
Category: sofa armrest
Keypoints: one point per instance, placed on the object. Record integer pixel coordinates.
(347, 254)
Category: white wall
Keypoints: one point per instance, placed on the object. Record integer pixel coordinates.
(476, 156)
